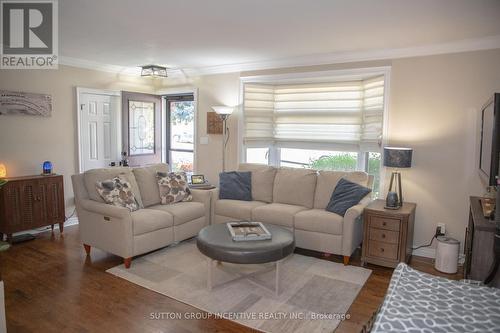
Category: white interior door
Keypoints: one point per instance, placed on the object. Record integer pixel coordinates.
(99, 126)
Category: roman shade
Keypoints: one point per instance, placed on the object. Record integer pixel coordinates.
(348, 113)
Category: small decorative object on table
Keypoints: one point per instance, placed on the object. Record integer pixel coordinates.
(488, 202)
(248, 231)
(197, 179)
(47, 168)
(198, 182)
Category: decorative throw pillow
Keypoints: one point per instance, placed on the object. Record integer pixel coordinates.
(173, 187)
(346, 195)
(235, 185)
(117, 192)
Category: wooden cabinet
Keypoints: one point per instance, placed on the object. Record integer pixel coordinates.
(479, 240)
(388, 234)
(31, 202)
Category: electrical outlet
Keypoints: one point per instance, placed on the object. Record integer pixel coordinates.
(441, 229)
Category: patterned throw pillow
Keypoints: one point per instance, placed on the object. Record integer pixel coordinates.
(173, 187)
(117, 192)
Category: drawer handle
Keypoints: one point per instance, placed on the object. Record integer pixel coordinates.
(381, 249)
(384, 223)
(383, 235)
(107, 218)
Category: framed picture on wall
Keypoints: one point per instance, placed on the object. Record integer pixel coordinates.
(214, 123)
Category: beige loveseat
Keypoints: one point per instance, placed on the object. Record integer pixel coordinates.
(128, 234)
(296, 199)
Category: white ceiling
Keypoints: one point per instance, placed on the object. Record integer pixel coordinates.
(196, 34)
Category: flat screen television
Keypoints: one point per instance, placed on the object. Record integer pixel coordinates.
(490, 140)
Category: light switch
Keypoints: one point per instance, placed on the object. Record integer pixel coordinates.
(203, 140)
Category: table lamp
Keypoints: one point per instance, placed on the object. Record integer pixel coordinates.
(396, 157)
(224, 112)
(3, 171)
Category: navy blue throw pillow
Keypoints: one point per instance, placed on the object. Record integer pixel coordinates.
(346, 195)
(235, 185)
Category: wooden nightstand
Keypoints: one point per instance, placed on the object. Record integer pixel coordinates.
(388, 234)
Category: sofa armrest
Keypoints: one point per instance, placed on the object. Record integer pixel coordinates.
(204, 197)
(107, 227)
(104, 209)
(352, 234)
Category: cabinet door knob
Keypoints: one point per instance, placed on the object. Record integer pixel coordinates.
(384, 223)
(383, 235)
(381, 249)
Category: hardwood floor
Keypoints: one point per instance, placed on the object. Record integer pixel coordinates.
(52, 286)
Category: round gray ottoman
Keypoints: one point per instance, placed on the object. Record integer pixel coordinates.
(216, 243)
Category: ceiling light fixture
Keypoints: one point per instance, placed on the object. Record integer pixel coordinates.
(154, 71)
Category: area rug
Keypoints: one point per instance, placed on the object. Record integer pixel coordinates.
(315, 294)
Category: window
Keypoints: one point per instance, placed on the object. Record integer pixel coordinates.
(180, 134)
(257, 155)
(319, 159)
(334, 125)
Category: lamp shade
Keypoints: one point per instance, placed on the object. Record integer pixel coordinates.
(396, 157)
(3, 171)
(227, 110)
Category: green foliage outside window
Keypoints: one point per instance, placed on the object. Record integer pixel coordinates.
(348, 162)
(342, 162)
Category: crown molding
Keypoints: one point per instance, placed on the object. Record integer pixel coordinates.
(486, 43)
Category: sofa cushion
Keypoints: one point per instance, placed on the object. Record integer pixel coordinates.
(237, 209)
(182, 212)
(319, 220)
(173, 187)
(117, 192)
(93, 176)
(262, 180)
(235, 185)
(327, 181)
(148, 184)
(149, 220)
(276, 213)
(346, 195)
(295, 187)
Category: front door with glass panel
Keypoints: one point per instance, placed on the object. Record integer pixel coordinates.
(141, 128)
(180, 111)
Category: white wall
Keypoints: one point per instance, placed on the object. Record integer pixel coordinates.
(27, 141)
(434, 104)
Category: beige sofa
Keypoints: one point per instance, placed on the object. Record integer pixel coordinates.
(128, 234)
(296, 199)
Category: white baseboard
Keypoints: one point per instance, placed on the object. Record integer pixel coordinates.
(429, 252)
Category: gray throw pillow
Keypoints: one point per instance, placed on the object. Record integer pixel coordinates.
(346, 195)
(235, 185)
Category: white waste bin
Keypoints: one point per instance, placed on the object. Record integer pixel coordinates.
(447, 254)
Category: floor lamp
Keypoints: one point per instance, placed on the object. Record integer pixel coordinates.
(224, 112)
